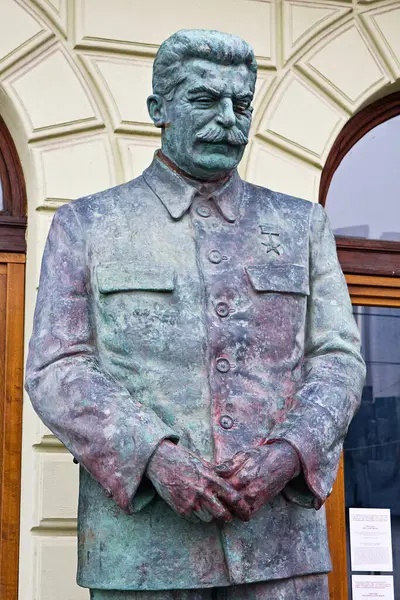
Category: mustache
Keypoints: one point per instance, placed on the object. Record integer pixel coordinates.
(216, 134)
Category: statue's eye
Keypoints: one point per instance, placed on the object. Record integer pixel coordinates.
(204, 102)
(241, 107)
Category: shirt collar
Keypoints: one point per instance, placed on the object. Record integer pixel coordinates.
(177, 192)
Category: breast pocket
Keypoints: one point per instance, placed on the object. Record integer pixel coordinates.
(135, 297)
(279, 278)
(114, 278)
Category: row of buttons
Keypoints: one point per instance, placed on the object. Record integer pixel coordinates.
(222, 310)
(214, 256)
(223, 366)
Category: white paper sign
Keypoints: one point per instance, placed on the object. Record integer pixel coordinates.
(373, 586)
(370, 539)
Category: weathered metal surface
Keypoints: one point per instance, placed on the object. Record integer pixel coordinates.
(194, 348)
(313, 587)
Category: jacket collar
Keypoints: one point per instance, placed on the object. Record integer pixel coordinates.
(177, 191)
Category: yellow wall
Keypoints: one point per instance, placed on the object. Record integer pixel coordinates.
(74, 76)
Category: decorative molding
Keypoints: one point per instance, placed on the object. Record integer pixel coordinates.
(272, 167)
(301, 120)
(383, 25)
(316, 17)
(55, 554)
(342, 59)
(125, 83)
(71, 108)
(120, 35)
(136, 153)
(57, 490)
(56, 11)
(73, 167)
(21, 19)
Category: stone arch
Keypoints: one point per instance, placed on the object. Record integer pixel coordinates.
(74, 76)
(342, 58)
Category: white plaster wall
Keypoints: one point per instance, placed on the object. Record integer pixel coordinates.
(74, 76)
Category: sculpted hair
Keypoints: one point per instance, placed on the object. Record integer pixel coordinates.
(220, 48)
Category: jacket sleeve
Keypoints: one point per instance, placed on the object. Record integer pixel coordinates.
(333, 373)
(110, 434)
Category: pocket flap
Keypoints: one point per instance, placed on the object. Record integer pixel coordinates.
(288, 278)
(114, 277)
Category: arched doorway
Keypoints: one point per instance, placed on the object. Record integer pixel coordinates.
(12, 274)
(360, 192)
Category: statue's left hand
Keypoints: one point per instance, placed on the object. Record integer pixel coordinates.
(261, 473)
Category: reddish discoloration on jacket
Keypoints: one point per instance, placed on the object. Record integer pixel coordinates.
(124, 354)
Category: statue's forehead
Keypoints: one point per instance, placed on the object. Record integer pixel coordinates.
(224, 78)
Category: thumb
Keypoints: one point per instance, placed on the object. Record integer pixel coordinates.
(229, 467)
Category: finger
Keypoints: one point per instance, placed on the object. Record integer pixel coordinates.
(203, 514)
(233, 500)
(237, 482)
(227, 468)
(192, 518)
(189, 515)
(216, 508)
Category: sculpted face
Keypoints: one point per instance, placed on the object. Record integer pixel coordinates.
(207, 123)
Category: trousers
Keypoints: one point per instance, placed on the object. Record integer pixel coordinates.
(308, 587)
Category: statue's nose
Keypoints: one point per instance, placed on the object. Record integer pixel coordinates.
(226, 115)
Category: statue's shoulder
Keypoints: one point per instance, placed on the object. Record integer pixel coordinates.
(278, 200)
(105, 203)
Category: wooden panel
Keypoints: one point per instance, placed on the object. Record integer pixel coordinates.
(9, 257)
(336, 519)
(361, 290)
(11, 427)
(369, 262)
(12, 234)
(3, 307)
(373, 281)
(374, 290)
(375, 301)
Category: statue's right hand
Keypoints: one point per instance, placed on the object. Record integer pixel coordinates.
(191, 488)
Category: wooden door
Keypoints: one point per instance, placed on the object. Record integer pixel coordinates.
(336, 519)
(12, 274)
(364, 291)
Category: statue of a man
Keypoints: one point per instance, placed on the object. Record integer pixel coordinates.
(194, 348)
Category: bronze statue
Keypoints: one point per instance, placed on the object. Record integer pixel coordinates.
(195, 350)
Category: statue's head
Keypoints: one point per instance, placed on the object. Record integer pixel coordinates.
(203, 85)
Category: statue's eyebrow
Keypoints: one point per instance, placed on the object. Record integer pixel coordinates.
(244, 96)
(206, 89)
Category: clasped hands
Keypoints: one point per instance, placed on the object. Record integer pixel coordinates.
(199, 491)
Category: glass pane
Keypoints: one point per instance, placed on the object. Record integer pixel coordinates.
(372, 446)
(1, 197)
(363, 198)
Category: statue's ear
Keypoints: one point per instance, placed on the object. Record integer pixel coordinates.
(157, 107)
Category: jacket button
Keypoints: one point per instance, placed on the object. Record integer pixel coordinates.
(223, 365)
(108, 493)
(203, 211)
(226, 422)
(222, 309)
(215, 257)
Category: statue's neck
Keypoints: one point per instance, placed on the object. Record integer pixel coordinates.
(202, 185)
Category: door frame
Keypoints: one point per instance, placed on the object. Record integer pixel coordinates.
(12, 270)
(372, 272)
(12, 300)
(364, 291)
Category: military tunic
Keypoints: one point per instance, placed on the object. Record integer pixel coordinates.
(217, 321)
